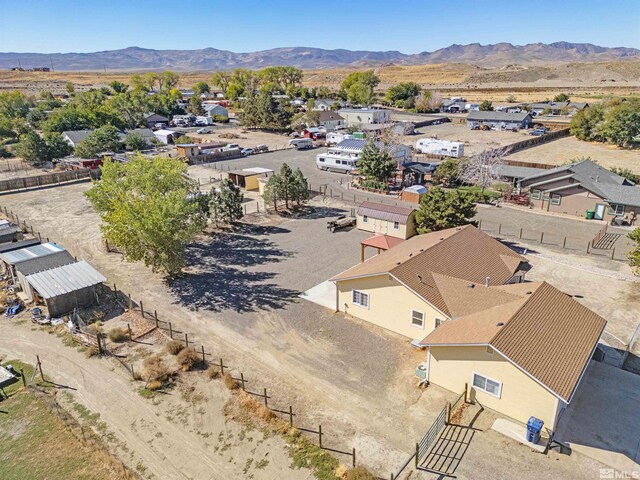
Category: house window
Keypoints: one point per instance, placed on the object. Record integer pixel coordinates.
(485, 384)
(555, 198)
(417, 319)
(535, 194)
(438, 322)
(396, 225)
(365, 219)
(616, 209)
(360, 298)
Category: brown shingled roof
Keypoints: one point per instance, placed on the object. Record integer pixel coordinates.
(546, 333)
(392, 213)
(462, 253)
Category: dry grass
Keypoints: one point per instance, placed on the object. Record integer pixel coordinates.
(154, 368)
(229, 382)
(174, 347)
(187, 359)
(154, 385)
(359, 473)
(118, 335)
(91, 351)
(213, 373)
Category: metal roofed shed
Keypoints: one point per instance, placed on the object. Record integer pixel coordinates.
(10, 233)
(11, 246)
(248, 178)
(67, 287)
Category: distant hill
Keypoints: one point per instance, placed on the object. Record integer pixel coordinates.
(135, 58)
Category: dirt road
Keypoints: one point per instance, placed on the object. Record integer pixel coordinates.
(157, 445)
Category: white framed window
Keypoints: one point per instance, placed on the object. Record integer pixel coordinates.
(535, 194)
(616, 209)
(365, 219)
(396, 225)
(438, 322)
(417, 319)
(360, 298)
(556, 198)
(492, 387)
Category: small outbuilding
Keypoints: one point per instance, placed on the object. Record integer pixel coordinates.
(395, 221)
(20, 244)
(249, 177)
(413, 194)
(152, 118)
(166, 136)
(64, 288)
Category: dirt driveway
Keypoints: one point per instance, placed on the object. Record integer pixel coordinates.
(173, 438)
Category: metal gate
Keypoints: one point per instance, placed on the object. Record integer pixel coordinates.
(432, 434)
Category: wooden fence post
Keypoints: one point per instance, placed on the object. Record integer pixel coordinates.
(40, 367)
(98, 336)
(242, 380)
(499, 228)
(186, 339)
(130, 302)
(613, 252)
(320, 435)
(354, 457)
(39, 237)
(133, 375)
(564, 243)
(24, 379)
(130, 333)
(290, 416)
(170, 331)
(520, 235)
(479, 224)
(448, 412)
(466, 388)
(266, 403)
(417, 451)
(141, 309)
(541, 237)
(155, 315)
(203, 359)
(588, 245)
(221, 367)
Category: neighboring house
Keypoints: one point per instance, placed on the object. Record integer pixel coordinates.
(214, 109)
(575, 188)
(389, 220)
(150, 119)
(249, 178)
(330, 120)
(522, 356)
(355, 117)
(65, 288)
(344, 156)
(429, 279)
(513, 174)
(323, 104)
(556, 108)
(453, 106)
(499, 120)
(74, 137)
(146, 134)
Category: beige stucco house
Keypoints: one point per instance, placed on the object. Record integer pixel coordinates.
(428, 279)
(522, 358)
(389, 220)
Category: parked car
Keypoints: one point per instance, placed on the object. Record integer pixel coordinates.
(159, 125)
(203, 130)
(247, 151)
(538, 132)
(262, 148)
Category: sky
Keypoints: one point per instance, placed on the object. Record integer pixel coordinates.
(409, 26)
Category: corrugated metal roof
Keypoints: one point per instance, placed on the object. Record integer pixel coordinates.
(30, 253)
(381, 211)
(12, 246)
(497, 116)
(62, 280)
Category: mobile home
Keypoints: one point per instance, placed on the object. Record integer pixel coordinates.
(440, 147)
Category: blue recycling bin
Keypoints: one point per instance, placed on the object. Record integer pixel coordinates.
(534, 427)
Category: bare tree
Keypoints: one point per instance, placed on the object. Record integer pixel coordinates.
(482, 169)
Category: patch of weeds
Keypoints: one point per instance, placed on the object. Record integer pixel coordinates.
(140, 468)
(158, 435)
(146, 393)
(305, 454)
(262, 464)
(247, 465)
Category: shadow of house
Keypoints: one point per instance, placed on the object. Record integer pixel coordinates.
(220, 278)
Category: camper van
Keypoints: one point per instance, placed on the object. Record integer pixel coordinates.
(335, 138)
(433, 146)
(301, 143)
(331, 163)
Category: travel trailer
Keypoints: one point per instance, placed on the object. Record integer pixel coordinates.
(445, 148)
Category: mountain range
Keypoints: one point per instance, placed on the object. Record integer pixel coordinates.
(496, 55)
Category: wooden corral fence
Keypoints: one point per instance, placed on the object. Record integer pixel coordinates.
(534, 141)
(54, 178)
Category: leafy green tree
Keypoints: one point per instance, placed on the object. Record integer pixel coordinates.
(287, 184)
(35, 117)
(35, 149)
(262, 111)
(584, 125)
(361, 94)
(64, 119)
(149, 210)
(227, 203)
(139, 83)
(130, 107)
(106, 138)
(447, 172)
(14, 105)
(195, 105)
(403, 92)
(367, 77)
(561, 97)
(168, 80)
(486, 106)
(222, 80)
(200, 88)
(135, 141)
(440, 209)
(376, 163)
(622, 124)
(118, 87)
(634, 254)
(70, 88)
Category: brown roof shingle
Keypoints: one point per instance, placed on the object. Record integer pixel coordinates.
(385, 212)
(544, 332)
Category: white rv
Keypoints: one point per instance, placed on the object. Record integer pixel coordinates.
(445, 148)
(344, 156)
(301, 143)
(334, 138)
